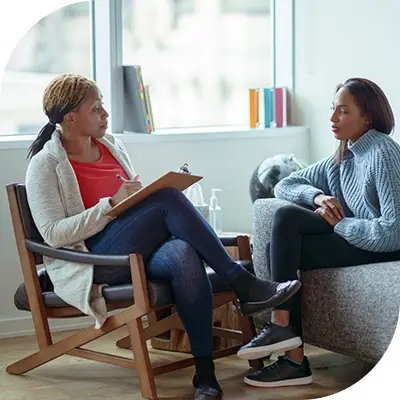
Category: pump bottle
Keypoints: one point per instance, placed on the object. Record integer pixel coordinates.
(215, 212)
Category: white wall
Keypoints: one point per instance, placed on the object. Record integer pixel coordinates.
(225, 161)
(335, 40)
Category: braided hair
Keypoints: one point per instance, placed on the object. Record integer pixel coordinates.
(63, 95)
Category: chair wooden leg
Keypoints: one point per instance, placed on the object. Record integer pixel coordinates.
(142, 359)
(124, 343)
(72, 342)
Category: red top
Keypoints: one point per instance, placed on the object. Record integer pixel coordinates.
(98, 179)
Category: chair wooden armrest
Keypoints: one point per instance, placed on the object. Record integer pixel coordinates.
(76, 255)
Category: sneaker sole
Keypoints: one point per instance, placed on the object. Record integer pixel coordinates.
(264, 351)
(252, 307)
(290, 382)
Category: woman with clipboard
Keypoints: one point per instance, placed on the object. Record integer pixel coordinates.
(71, 186)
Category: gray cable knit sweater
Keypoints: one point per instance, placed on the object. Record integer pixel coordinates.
(367, 184)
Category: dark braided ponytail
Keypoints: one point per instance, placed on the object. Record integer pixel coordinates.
(61, 96)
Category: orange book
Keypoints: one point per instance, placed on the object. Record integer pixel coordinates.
(254, 116)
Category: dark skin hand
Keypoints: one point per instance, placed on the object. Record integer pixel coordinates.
(329, 209)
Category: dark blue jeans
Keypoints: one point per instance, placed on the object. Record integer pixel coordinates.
(174, 240)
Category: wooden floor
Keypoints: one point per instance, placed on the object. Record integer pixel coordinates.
(70, 378)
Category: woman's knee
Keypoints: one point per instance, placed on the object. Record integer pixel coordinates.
(287, 215)
(170, 194)
(175, 260)
(183, 249)
(187, 269)
(186, 259)
(181, 256)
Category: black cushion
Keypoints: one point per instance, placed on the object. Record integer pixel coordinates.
(160, 292)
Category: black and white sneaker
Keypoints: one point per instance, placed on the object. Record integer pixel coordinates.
(273, 338)
(284, 372)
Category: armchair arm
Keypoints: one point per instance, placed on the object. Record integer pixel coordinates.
(76, 256)
(263, 215)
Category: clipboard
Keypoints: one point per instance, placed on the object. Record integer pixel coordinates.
(177, 180)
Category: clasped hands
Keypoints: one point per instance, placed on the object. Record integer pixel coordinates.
(329, 209)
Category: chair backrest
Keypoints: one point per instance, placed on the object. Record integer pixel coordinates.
(28, 225)
(24, 228)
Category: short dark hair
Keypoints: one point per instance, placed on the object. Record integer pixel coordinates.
(373, 102)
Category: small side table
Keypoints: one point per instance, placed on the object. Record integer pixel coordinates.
(233, 251)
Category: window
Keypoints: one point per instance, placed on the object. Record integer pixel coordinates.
(199, 57)
(249, 6)
(58, 43)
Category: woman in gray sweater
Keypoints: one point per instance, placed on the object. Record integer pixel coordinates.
(72, 183)
(350, 216)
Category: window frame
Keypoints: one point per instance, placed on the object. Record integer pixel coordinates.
(106, 26)
(107, 36)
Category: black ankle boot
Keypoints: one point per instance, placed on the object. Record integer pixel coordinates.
(205, 381)
(206, 391)
(256, 294)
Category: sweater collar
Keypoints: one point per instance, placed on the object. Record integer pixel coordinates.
(54, 145)
(364, 143)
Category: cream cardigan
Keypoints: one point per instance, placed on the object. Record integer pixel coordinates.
(60, 216)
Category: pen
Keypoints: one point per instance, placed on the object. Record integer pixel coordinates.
(120, 177)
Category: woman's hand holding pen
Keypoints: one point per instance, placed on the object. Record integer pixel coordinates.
(127, 188)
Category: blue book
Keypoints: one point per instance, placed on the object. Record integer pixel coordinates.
(268, 106)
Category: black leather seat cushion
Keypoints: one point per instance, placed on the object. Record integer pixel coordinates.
(160, 292)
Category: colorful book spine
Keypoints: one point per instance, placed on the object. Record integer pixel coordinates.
(272, 102)
(280, 102)
(149, 109)
(268, 107)
(141, 88)
(285, 106)
(254, 108)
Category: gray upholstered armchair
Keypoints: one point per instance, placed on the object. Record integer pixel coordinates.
(352, 310)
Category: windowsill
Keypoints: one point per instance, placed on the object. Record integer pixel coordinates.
(173, 135)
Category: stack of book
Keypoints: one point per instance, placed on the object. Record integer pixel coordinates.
(138, 114)
(268, 107)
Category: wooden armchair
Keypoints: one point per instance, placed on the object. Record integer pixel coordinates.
(142, 298)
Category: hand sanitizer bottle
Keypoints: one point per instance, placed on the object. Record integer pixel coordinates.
(195, 194)
(215, 212)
